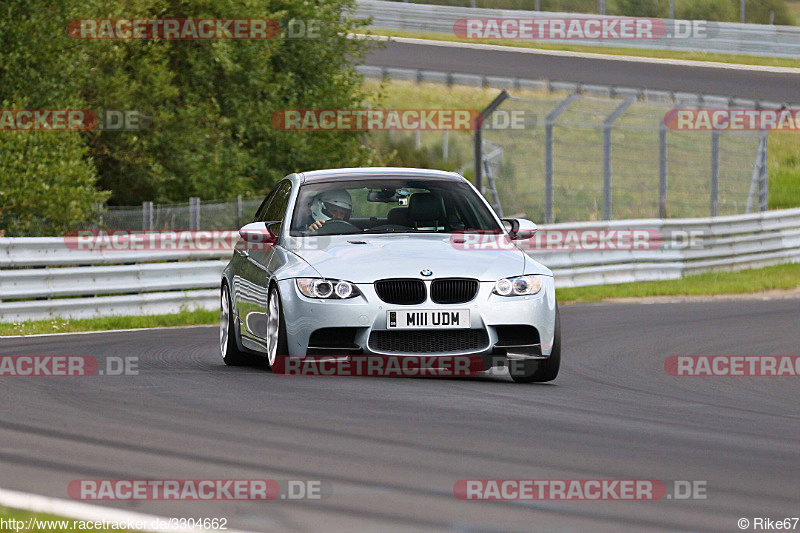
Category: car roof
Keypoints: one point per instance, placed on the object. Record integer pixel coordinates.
(378, 172)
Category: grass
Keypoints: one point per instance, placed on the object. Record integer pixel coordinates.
(794, 9)
(784, 169)
(64, 325)
(610, 50)
(779, 277)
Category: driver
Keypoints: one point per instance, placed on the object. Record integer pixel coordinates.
(330, 205)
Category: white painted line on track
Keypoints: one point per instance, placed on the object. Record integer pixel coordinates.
(84, 511)
(585, 55)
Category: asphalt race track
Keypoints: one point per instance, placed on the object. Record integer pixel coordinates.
(392, 449)
(752, 84)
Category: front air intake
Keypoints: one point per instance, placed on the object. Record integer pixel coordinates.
(401, 291)
(453, 290)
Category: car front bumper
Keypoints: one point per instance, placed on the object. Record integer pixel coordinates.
(367, 314)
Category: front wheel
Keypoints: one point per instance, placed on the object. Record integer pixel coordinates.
(227, 334)
(545, 369)
(276, 329)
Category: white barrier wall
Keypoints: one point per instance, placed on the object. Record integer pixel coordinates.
(42, 278)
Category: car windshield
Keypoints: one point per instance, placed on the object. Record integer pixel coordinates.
(400, 205)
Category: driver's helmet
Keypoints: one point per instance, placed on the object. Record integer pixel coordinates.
(328, 203)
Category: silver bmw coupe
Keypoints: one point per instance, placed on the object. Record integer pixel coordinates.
(388, 262)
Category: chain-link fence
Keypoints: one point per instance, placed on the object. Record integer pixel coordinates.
(196, 214)
(582, 158)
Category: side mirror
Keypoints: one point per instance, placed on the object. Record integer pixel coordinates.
(519, 228)
(259, 232)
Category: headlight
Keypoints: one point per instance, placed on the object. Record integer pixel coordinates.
(518, 286)
(327, 288)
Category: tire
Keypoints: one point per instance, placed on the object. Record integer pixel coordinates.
(546, 369)
(231, 354)
(276, 328)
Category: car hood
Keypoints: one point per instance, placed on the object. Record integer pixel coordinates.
(365, 258)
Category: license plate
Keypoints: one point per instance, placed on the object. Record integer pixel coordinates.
(427, 319)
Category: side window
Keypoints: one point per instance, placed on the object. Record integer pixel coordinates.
(277, 206)
(265, 205)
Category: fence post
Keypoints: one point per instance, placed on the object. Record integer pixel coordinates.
(763, 183)
(239, 210)
(756, 183)
(549, 124)
(714, 201)
(477, 146)
(194, 213)
(147, 216)
(608, 123)
(662, 170)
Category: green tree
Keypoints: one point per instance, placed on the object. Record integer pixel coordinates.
(46, 182)
(210, 102)
(47, 179)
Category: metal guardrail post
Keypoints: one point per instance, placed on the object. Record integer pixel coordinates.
(549, 125)
(714, 200)
(608, 123)
(477, 147)
(662, 170)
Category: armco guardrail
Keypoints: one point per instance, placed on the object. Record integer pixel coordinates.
(723, 37)
(691, 246)
(42, 278)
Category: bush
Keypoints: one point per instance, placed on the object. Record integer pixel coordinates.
(47, 183)
(209, 103)
(640, 8)
(717, 10)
